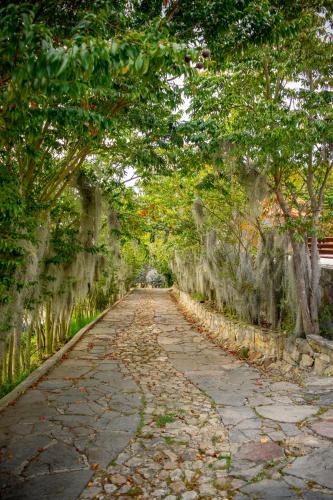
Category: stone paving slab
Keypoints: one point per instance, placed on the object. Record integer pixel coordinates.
(316, 466)
(289, 413)
(57, 487)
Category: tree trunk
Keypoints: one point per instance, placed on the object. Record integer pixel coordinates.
(38, 328)
(315, 279)
(48, 329)
(17, 352)
(302, 286)
(2, 359)
(28, 349)
(10, 359)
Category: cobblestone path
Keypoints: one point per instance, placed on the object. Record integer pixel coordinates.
(145, 406)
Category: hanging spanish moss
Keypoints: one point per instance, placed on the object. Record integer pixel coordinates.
(72, 280)
(251, 280)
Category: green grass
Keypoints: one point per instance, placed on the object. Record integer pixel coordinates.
(76, 325)
(134, 491)
(7, 387)
(169, 440)
(227, 458)
(259, 477)
(199, 297)
(322, 410)
(216, 439)
(162, 420)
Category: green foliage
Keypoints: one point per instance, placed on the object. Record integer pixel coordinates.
(67, 92)
(244, 352)
(199, 297)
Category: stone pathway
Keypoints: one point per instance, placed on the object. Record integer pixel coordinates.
(83, 413)
(145, 406)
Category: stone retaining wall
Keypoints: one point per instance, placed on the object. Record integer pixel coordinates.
(314, 353)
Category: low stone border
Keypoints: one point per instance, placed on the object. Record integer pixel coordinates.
(313, 353)
(45, 367)
(235, 334)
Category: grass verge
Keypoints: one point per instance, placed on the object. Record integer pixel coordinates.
(75, 325)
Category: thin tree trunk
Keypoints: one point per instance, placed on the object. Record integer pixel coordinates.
(10, 359)
(2, 359)
(28, 349)
(48, 329)
(315, 279)
(302, 288)
(22, 359)
(55, 333)
(39, 339)
(17, 353)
